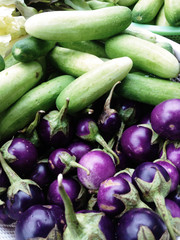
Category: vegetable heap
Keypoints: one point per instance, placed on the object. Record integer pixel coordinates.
(89, 126)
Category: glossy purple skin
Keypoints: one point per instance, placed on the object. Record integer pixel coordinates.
(125, 176)
(4, 218)
(136, 144)
(173, 154)
(110, 125)
(100, 165)
(83, 127)
(165, 119)
(106, 201)
(41, 174)
(22, 201)
(55, 163)
(36, 221)
(172, 207)
(4, 181)
(25, 153)
(78, 149)
(173, 173)
(130, 222)
(57, 140)
(72, 188)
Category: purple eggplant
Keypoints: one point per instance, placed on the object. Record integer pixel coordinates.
(40, 222)
(61, 161)
(137, 143)
(85, 224)
(79, 148)
(109, 120)
(4, 218)
(154, 183)
(141, 224)
(21, 194)
(165, 119)
(88, 130)
(41, 174)
(116, 196)
(126, 174)
(100, 165)
(172, 171)
(55, 128)
(21, 154)
(74, 189)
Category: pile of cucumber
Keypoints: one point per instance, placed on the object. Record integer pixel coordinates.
(80, 55)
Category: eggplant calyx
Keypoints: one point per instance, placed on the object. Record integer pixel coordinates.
(5, 153)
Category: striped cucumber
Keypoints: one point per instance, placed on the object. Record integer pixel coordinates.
(22, 112)
(87, 88)
(17, 80)
(145, 11)
(81, 25)
(73, 62)
(146, 56)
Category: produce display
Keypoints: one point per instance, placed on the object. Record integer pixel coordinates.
(89, 120)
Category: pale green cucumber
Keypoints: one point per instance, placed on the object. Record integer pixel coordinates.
(146, 56)
(10, 60)
(87, 88)
(161, 18)
(92, 47)
(93, 4)
(172, 12)
(148, 90)
(126, 3)
(79, 25)
(141, 33)
(73, 62)
(17, 80)
(146, 10)
(22, 112)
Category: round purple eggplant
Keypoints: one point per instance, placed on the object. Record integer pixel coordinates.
(84, 225)
(100, 165)
(116, 196)
(154, 183)
(88, 130)
(126, 174)
(21, 154)
(79, 148)
(21, 194)
(55, 128)
(165, 119)
(136, 143)
(109, 120)
(73, 188)
(141, 224)
(172, 171)
(61, 161)
(40, 221)
(173, 208)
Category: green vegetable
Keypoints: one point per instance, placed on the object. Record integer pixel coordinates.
(73, 62)
(172, 11)
(146, 10)
(31, 48)
(17, 80)
(93, 4)
(2, 63)
(127, 3)
(79, 25)
(161, 18)
(10, 60)
(92, 47)
(149, 90)
(166, 46)
(23, 111)
(90, 86)
(146, 56)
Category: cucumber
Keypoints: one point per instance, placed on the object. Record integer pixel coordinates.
(87, 88)
(145, 11)
(69, 26)
(126, 3)
(17, 80)
(2, 63)
(172, 12)
(10, 60)
(92, 47)
(93, 4)
(145, 89)
(73, 62)
(31, 48)
(161, 18)
(22, 112)
(166, 46)
(146, 56)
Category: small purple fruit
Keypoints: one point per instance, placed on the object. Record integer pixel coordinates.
(79, 148)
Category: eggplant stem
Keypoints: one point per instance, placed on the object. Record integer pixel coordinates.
(77, 165)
